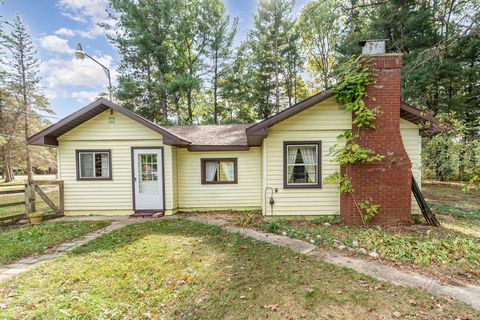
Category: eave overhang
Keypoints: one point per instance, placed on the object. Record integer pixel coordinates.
(49, 136)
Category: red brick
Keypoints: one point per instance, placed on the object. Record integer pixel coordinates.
(388, 182)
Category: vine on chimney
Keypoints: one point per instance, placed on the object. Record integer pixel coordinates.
(355, 75)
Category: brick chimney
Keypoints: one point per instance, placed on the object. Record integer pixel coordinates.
(387, 182)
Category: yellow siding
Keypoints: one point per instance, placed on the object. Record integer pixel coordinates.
(257, 168)
(174, 180)
(413, 145)
(193, 195)
(323, 122)
(168, 175)
(107, 197)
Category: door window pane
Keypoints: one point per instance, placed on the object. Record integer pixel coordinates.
(148, 173)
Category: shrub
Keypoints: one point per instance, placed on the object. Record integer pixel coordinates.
(329, 219)
(272, 227)
(249, 218)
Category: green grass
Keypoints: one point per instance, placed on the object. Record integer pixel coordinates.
(450, 199)
(460, 211)
(176, 269)
(450, 252)
(464, 226)
(443, 251)
(20, 179)
(18, 184)
(20, 209)
(457, 210)
(18, 242)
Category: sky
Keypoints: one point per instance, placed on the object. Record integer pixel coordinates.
(56, 26)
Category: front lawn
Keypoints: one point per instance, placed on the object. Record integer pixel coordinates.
(444, 253)
(177, 269)
(450, 252)
(18, 242)
(449, 199)
(456, 209)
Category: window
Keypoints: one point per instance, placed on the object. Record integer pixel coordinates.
(217, 171)
(148, 173)
(94, 165)
(302, 164)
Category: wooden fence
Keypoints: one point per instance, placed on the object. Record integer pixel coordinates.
(30, 191)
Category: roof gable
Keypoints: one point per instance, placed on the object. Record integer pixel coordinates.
(206, 137)
(49, 135)
(109, 125)
(258, 131)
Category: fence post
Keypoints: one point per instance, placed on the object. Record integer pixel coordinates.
(61, 203)
(27, 199)
(30, 206)
(33, 204)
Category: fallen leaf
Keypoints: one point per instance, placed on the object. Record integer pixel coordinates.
(272, 307)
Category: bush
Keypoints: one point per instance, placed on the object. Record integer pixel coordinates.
(249, 218)
(272, 227)
(329, 219)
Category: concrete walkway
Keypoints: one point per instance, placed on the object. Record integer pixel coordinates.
(24, 265)
(468, 294)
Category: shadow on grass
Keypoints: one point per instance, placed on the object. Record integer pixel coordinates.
(131, 233)
(459, 211)
(241, 273)
(177, 269)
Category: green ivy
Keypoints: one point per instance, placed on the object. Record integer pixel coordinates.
(344, 184)
(369, 210)
(355, 75)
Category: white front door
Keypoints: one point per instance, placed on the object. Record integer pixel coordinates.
(148, 179)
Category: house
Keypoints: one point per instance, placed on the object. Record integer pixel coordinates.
(114, 162)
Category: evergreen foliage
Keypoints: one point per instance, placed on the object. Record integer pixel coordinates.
(20, 101)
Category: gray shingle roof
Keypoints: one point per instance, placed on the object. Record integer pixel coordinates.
(212, 135)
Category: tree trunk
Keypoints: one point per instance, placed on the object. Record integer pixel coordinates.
(277, 87)
(189, 107)
(27, 150)
(215, 83)
(7, 164)
(26, 110)
(163, 97)
(177, 109)
(27, 131)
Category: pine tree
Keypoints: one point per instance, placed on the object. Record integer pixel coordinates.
(268, 39)
(220, 51)
(142, 33)
(195, 25)
(24, 80)
(292, 66)
(5, 137)
(237, 87)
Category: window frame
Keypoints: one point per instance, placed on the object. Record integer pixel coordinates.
(203, 164)
(77, 161)
(286, 184)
